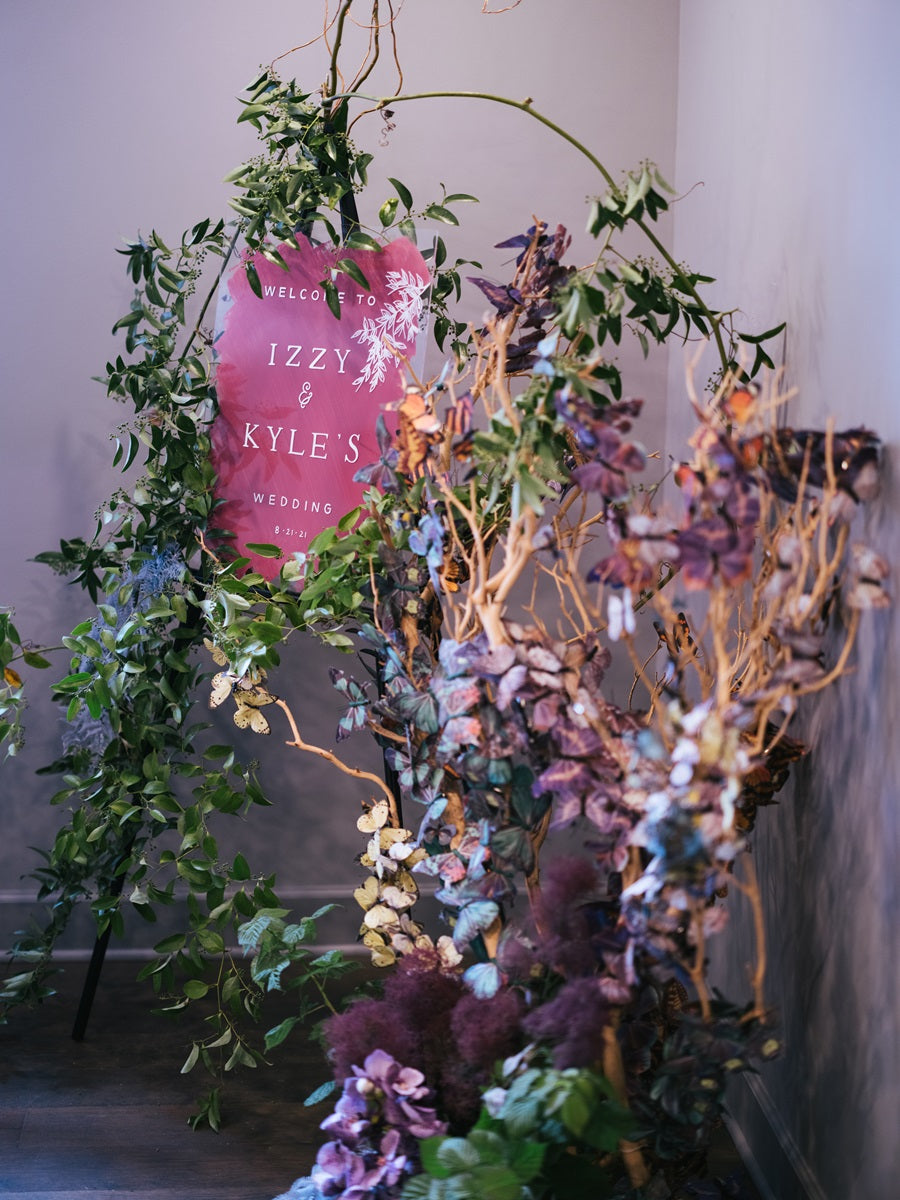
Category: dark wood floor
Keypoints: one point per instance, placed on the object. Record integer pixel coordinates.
(107, 1118)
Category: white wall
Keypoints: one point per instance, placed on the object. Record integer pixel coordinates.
(119, 117)
(787, 114)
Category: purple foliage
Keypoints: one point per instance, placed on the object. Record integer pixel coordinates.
(530, 297)
(563, 926)
(446, 1037)
(574, 1022)
(410, 1023)
(486, 1030)
(483, 1031)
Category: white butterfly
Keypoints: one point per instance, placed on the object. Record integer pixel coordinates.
(222, 686)
(374, 818)
(620, 615)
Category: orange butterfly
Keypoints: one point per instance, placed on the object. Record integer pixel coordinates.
(419, 429)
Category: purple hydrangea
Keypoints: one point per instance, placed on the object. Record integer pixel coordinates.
(340, 1171)
(375, 1125)
(393, 1090)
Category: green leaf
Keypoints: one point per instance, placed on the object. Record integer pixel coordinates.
(265, 549)
(349, 267)
(33, 659)
(358, 240)
(349, 519)
(429, 1151)
(494, 1182)
(456, 1154)
(526, 1159)
(756, 338)
(129, 320)
(211, 941)
(295, 183)
(388, 211)
(418, 1188)
(240, 1056)
(253, 280)
(332, 298)
(191, 1061)
(170, 945)
(403, 192)
(196, 989)
(321, 1093)
(276, 1035)
(240, 869)
(520, 1112)
(438, 213)
(576, 1112)
(209, 1112)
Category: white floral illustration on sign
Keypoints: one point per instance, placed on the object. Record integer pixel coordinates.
(388, 335)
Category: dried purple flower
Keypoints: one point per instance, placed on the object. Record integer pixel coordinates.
(340, 1171)
(391, 1090)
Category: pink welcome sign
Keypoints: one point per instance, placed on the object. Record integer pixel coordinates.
(300, 391)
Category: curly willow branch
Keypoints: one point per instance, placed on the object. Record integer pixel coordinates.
(357, 772)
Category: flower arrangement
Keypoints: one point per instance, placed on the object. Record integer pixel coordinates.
(580, 1020)
(512, 558)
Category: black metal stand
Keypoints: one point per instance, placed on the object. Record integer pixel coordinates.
(89, 989)
(101, 942)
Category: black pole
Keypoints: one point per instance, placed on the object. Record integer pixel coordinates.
(101, 942)
(89, 990)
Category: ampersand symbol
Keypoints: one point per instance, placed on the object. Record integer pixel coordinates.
(305, 395)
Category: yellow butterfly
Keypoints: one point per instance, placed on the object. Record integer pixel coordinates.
(367, 895)
(379, 916)
(374, 818)
(250, 695)
(219, 656)
(382, 954)
(249, 715)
